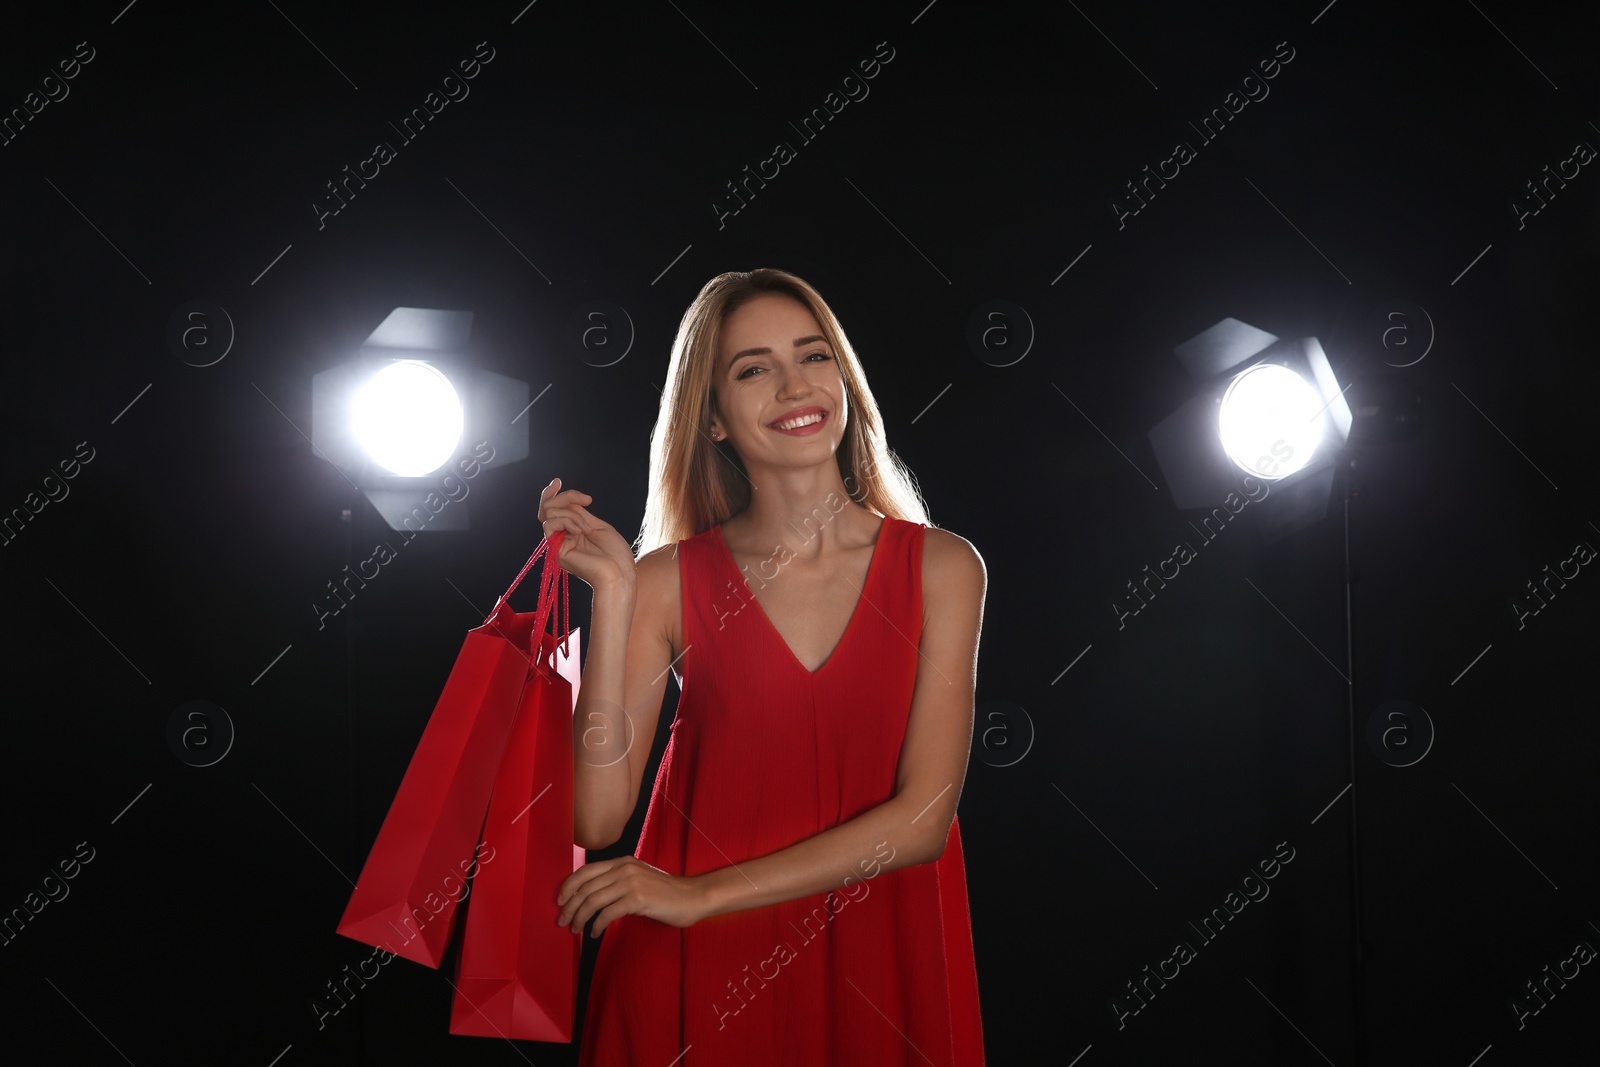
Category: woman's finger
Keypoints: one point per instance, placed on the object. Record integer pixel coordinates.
(551, 492)
(568, 513)
(564, 500)
(557, 519)
(576, 535)
(581, 898)
(593, 522)
(602, 897)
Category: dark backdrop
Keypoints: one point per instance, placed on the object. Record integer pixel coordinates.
(1108, 806)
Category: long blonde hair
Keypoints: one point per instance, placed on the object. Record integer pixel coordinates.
(696, 483)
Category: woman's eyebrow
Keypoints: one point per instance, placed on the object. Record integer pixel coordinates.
(799, 343)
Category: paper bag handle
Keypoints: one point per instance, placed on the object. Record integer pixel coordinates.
(549, 576)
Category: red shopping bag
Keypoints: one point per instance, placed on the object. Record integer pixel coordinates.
(405, 899)
(517, 974)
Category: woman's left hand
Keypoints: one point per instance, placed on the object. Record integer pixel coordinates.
(608, 889)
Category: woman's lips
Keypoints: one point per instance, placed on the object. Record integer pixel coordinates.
(806, 430)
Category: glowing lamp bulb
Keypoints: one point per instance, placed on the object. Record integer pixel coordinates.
(408, 417)
(1269, 421)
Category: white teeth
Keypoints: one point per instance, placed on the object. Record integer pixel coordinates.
(804, 420)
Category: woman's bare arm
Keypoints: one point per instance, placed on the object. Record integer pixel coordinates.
(624, 681)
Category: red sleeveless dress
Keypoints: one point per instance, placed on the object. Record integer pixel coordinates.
(764, 754)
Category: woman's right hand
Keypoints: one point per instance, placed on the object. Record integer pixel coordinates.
(592, 549)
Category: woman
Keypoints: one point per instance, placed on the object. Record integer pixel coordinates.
(798, 895)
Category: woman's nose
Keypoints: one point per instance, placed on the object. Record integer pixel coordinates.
(793, 382)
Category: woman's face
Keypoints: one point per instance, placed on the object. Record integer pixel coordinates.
(772, 363)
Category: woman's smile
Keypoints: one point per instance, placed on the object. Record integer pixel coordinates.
(810, 423)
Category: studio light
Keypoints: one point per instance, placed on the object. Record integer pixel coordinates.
(1270, 413)
(410, 419)
(1264, 408)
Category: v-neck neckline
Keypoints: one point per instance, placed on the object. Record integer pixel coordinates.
(872, 565)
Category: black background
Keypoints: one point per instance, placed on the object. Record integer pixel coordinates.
(1175, 754)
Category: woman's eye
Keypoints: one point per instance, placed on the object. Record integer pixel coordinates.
(746, 372)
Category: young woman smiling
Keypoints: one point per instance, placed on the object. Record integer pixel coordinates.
(822, 727)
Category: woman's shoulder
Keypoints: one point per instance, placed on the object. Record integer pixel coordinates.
(657, 572)
(671, 549)
(661, 566)
(947, 556)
